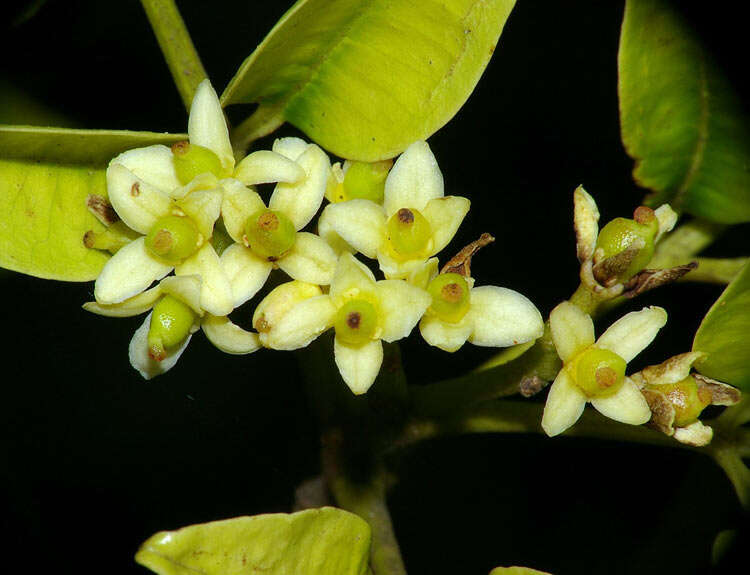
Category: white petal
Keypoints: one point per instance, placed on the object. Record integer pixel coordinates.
(290, 147)
(672, 370)
(632, 333)
(216, 291)
(359, 366)
(247, 272)
(300, 201)
(586, 223)
(447, 336)
(265, 166)
(564, 406)
(138, 203)
(228, 337)
(279, 301)
(667, 218)
(301, 324)
(401, 305)
(187, 289)
(350, 276)
(361, 223)
(332, 238)
(445, 216)
(572, 329)
(627, 405)
(140, 359)
(132, 306)
(503, 317)
(238, 204)
(413, 181)
(207, 126)
(311, 260)
(153, 165)
(695, 434)
(127, 273)
(395, 269)
(203, 207)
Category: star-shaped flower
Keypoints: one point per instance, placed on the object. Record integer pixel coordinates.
(595, 370)
(363, 312)
(415, 222)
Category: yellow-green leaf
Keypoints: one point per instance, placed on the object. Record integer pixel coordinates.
(516, 571)
(324, 541)
(46, 174)
(366, 79)
(680, 119)
(725, 335)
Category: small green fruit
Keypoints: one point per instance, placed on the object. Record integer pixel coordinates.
(687, 399)
(270, 234)
(356, 322)
(619, 234)
(171, 322)
(409, 234)
(450, 297)
(173, 238)
(599, 372)
(191, 160)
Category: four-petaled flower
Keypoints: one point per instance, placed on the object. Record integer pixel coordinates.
(595, 370)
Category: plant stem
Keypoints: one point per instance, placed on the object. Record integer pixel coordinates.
(262, 122)
(177, 47)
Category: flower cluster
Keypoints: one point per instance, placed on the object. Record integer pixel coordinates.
(196, 241)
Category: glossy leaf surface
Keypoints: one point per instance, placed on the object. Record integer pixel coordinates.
(516, 571)
(46, 174)
(365, 79)
(680, 119)
(324, 541)
(725, 335)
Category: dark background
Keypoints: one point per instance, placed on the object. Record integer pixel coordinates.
(94, 460)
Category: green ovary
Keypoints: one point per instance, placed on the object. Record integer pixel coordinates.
(409, 234)
(598, 372)
(687, 399)
(171, 322)
(450, 297)
(270, 234)
(620, 233)
(191, 160)
(356, 322)
(173, 238)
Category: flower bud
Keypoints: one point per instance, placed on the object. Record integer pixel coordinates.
(171, 322)
(270, 234)
(366, 181)
(408, 233)
(599, 372)
(450, 297)
(356, 322)
(191, 160)
(173, 238)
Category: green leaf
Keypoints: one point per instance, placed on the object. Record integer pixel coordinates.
(725, 335)
(324, 541)
(680, 119)
(516, 571)
(366, 79)
(46, 174)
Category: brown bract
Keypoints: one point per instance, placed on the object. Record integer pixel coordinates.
(461, 262)
(646, 280)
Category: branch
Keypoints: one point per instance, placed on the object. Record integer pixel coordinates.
(177, 47)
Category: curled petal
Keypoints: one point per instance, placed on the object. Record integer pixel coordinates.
(361, 224)
(247, 273)
(207, 126)
(130, 271)
(204, 208)
(564, 406)
(290, 147)
(414, 180)
(216, 291)
(138, 203)
(445, 216)
(237, 205)
(667, 219)
(265, 166)
(586, 223)
(135, 305)
(673, 370)
(301, 201)
(142, 361)
(502, 317)
(228, 337)
(359, 366)
(626, 406)
(301, 324)
(447, 336)
(331, 237)
(153, 165)
(632, 333)
(401, 305)
(572, 329)
(187, 289)
(351, 274)
(310, 260)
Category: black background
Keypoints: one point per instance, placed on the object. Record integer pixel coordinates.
(94, 459)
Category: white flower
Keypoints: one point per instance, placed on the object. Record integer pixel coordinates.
(595, 370)
(362, 311)
(416, 219)
(154, 348)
